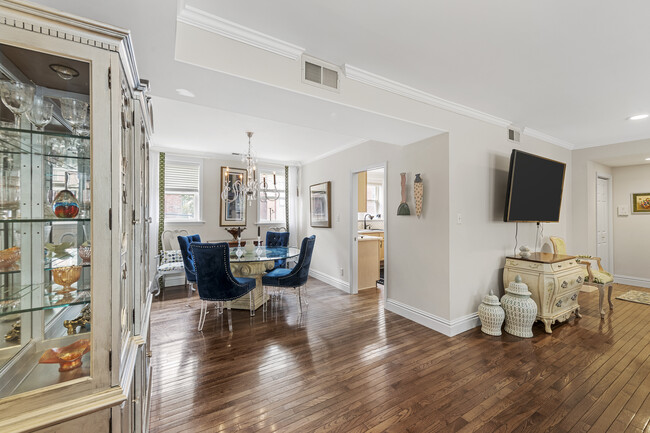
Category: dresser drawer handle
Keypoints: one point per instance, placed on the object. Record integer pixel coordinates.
(565, 285)
(534, 265)
(579, 280)
(574, 297)
(559, 303)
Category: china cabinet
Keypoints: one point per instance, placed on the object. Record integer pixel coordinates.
(75, 122)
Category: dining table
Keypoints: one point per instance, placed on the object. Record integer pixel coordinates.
(253, 262)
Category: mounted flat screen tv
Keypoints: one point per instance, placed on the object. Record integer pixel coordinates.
(535, 187)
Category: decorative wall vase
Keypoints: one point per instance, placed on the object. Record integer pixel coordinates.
(403, 208)
(520, 309)
(491, 315)
(65, 205)
(418, 193)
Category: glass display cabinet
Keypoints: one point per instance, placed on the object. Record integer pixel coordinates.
(75, 123)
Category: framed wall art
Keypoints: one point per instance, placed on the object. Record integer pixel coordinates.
(320, 207)
(232, 212)
(641, 203)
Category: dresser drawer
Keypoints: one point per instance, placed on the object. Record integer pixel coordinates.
(567, 282)
(563, 266)
(565, 302)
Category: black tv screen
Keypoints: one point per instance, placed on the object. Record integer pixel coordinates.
(535, 187)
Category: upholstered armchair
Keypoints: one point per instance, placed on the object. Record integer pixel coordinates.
(184, 243)
(277, 239)
(593, 277)
(215, 281)
(295, 278)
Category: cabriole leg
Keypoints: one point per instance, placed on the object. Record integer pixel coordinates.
(609, 296)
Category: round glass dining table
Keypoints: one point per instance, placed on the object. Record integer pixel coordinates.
(254, 262)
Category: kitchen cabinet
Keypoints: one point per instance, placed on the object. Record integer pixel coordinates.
(74, 224)
(380, 235)
(362, 184)
(368, 261)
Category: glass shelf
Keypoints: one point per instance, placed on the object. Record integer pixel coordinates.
(52, 261)
(52, 298)
(42, 220)
(25, 141)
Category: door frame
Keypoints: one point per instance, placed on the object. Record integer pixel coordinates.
(610, 219)
(354, 222)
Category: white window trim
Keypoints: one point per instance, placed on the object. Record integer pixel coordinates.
(270, 168)
(199, 161)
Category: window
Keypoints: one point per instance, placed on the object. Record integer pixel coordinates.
(375, 195)
(272, 212)
(182, 190)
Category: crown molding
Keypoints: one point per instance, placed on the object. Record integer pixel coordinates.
(548, 138)
(198, 18)
(334, 151)
(219, 156)
(380, 82)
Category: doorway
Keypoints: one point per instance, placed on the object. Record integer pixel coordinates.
(368, 222)
(604, 244)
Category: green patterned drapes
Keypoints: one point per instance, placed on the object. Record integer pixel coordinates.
(161, 199)
(286, 197)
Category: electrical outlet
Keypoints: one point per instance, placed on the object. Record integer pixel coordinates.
(341, 271)
(338, 217)
(459, 218)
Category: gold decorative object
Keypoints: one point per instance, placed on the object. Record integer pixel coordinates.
(14, 332)
(68, 357)
(418, 192)
(66, 277)
(235, 231)
(9, 257)
(81, 320)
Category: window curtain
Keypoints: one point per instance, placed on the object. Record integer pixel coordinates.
(291, 185)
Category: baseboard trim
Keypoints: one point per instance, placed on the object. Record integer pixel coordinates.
(438, 324)
(632, 281)
(332, 281)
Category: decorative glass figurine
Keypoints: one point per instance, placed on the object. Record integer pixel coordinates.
(258, 250)
(240, 250)
(65, 204)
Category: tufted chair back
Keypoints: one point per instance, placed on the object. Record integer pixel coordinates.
(299, 274)
(277, 239)
(214, 278)
(184, 243)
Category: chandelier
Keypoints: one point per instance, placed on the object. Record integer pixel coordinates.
(250, 188)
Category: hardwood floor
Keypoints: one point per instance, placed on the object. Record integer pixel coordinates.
(347, 365)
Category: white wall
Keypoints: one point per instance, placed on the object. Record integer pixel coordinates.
(631, 233)
(416, 250)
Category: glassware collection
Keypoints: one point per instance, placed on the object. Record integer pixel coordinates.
(45, 192)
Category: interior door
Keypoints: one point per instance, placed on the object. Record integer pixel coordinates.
(602, 221)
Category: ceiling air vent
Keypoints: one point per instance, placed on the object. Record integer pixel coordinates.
(514, 134)
(320, 74)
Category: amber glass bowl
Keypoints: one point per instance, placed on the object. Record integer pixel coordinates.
(66, 277)
(9, 257)
(68, 357)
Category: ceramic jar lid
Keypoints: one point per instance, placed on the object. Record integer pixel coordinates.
(518, 287)
(491, 300)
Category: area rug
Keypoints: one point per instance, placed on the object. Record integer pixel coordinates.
(636, 296)
(588, 289)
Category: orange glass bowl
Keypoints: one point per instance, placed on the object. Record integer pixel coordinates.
(68, 357)
(9, 257)
(66, 277)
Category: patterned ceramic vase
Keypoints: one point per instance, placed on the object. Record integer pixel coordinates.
(418, 192)
(520, 309)
(491, 315)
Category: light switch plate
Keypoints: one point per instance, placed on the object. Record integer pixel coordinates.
(623, 210)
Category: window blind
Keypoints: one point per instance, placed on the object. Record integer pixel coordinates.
(182, 177)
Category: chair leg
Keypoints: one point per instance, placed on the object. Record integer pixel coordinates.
(304, 294)
(229, 319)
(250, 303)
(300, 298)
(609, 296)
(204, 311)
(601, 295)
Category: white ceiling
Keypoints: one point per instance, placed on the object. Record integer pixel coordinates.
(572, 70)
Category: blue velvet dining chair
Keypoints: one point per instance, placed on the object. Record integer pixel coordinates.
(295, 278)
(184, 243)
(215, 281)
(278, 239)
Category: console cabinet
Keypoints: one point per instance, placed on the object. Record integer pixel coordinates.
(554, 282)
(74, 225)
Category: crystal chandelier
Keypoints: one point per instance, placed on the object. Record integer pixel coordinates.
(251, 188)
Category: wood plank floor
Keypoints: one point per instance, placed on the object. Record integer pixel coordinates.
(346, 365)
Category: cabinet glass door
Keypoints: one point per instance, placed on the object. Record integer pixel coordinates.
(45, 220)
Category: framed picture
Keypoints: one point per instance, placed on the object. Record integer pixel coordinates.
(233, 213)
(641, 203)
(320, 208)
